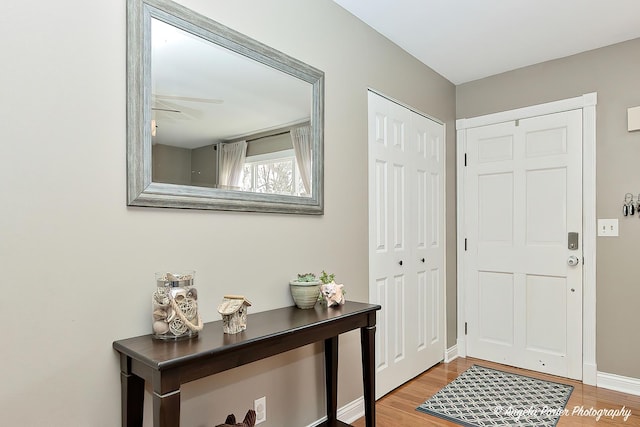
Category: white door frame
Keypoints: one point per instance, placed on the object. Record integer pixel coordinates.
(587, 103)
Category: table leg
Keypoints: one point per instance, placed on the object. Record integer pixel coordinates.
(367, 338)
(331, 368)
(132, 395)
(166, 409)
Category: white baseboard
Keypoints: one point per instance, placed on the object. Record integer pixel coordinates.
(347, 414)
(352, 411)
(451, 354)
(461, 346)
(619, 383)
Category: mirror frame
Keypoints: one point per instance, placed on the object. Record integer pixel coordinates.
(141, 191)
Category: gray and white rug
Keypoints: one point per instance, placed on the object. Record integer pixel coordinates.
(487, 397)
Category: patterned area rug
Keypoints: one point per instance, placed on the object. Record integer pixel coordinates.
(487, 397)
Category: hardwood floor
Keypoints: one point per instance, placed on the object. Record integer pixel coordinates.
(398, 408)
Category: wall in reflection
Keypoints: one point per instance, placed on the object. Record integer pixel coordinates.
(270, 165)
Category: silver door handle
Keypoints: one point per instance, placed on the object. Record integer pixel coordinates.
(573, 260)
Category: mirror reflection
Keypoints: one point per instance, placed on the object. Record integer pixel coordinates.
(218, 120)
(222, 120)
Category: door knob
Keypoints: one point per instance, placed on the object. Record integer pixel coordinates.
(400, 262)
(422, 259)
(573, 260)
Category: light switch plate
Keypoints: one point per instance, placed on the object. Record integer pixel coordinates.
(608, 227)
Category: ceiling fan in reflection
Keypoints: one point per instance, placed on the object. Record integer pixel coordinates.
(175, 104)
(177, 108)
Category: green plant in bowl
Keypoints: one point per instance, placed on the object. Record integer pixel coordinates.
(305, 290)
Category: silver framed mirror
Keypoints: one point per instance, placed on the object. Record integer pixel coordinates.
(218, 120)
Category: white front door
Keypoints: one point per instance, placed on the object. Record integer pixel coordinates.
(406, 240)
(523, 199)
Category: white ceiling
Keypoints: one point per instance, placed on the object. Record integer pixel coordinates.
(466, 40)
(203, 93)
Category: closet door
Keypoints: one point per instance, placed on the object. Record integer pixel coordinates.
(406, 235)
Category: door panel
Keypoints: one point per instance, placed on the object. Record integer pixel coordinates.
(382, 340)
(495, 308)
(495, 209)
(380, 201)
(546, 142)
(493, 149)
(546, 314)
(523, 195)
(399, 207)
(544, 226)
(399, 321)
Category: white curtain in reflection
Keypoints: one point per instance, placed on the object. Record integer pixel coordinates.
(232, 157)
(301, 138)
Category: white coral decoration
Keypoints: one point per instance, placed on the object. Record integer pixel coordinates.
(332, 294)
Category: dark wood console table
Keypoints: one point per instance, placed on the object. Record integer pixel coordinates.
(168, 365)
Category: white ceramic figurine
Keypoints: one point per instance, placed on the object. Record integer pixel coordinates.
(332, 294)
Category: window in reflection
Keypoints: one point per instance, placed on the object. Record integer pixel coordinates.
(273, 173)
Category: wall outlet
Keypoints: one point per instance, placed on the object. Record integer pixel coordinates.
(260, 406)
(608, 227)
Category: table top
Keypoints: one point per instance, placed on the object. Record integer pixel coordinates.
(271, 325)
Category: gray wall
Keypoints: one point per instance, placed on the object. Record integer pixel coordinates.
(82, 263)
(613, 72)
(185, 166)
(171, 164)
(269, 144)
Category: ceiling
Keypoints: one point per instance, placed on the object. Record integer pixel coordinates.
(465, 40)
(203, 93)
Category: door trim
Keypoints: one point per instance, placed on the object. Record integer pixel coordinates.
(407, 106)
(587, 103)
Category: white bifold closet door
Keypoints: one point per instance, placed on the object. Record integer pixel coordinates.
(406, 240)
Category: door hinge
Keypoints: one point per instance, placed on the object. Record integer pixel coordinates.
(465, 243)
(465, 159)
(517, 122)
(465, 328)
